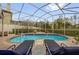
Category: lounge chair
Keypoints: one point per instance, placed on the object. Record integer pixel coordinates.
(67, 51)
(71, 50)
(54, 49)
(51, 46)
(8, 52)
(25, 47)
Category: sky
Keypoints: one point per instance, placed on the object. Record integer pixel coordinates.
(29, 9)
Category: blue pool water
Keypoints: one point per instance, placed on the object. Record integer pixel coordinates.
(38, 36)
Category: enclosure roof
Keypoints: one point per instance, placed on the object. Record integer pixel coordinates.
(41, 11)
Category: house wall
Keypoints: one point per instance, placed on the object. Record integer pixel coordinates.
(7, 17)
(8, 28)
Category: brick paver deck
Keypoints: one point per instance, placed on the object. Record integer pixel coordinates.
(39, 48)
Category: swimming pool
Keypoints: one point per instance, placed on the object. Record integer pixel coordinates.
(38, 36)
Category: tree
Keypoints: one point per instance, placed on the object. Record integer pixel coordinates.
(59, 23)
(75, 18)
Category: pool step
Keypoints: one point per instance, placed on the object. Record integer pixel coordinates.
(39, 48)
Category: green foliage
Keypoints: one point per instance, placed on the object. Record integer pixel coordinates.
(77, 37)
(68, 32)
(48, 26)
(60, 23)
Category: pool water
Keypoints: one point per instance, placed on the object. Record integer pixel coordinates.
(38, 36)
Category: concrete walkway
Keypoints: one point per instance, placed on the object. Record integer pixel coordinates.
(5, 42)
(39, 48)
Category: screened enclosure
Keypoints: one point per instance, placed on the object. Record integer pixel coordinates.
(60, 18)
